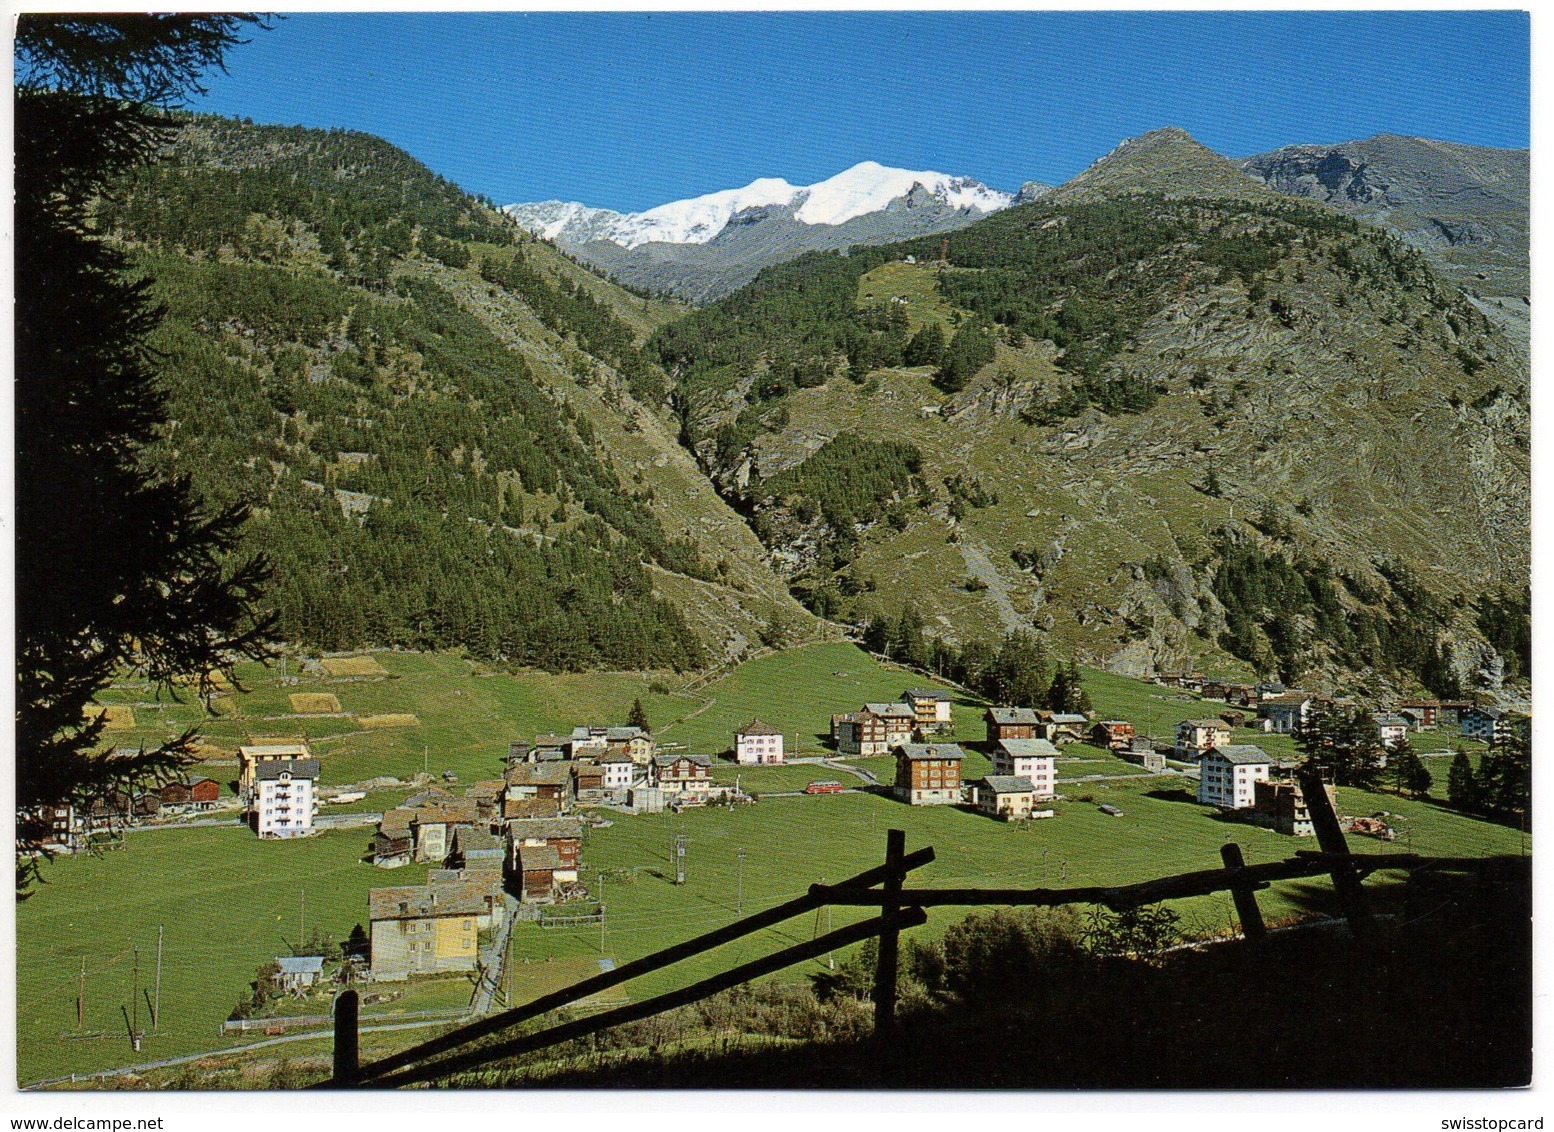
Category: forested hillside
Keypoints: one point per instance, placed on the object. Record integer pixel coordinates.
(1160, 413)
(1143, 416)
(419, 479)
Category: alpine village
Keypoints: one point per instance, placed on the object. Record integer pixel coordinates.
(1077, 638)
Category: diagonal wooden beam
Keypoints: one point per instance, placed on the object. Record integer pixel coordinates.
(496, 1023)
(635, 1012)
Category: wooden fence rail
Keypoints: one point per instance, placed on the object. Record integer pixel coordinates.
(518, 1015)
(900, 908)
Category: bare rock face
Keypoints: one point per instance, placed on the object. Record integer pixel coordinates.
(1465, 206)
(1030, 191)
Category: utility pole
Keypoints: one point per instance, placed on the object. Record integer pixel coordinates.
(601, 911)
(81, 998)
(135, 1006)
(156, 1001)
(302, 922)
(739, 907)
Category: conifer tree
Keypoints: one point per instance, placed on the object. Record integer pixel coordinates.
(116, 565)
(638, 716)
(1461, 785)
(1343, 741)
(926, 347)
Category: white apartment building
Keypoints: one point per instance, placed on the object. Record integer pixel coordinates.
(284, 803)
(1032, 759)
(619, 770)
(758, 744)
(1228, 775)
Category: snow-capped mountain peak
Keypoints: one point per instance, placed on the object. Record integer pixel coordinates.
(699, 219)
(867, 187)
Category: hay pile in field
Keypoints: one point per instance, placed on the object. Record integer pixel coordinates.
(388, 719)
(314, 703)
(353, 666)
(217, 681)
(115, 717)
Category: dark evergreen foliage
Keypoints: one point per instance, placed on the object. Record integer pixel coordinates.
(420, 486)
(266, 192)
(1282, 615)
(444, 437)
(1015, 670)
(847, 481)
(969, 350)
(1067, 692)
(1504, 785)
(1506, 622)
(1343, 741)
(1461, 783)
(569, 309)
(116, 565)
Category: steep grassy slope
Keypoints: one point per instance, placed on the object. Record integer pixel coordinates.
(449, 430)
(1176, 376)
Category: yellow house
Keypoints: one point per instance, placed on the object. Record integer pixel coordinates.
(423, 930)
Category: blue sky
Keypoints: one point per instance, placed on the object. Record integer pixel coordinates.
(629, 110)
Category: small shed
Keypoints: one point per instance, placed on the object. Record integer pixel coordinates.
(299, 972)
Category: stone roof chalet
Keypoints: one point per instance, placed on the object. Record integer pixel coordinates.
(916, 751)
(295, 768)
(1009, 716)
(756, 727)
(538, 857)
(419, 902)
(539, 774)
(545, 829)
(455, 811)
(1028, 748)
(666, 761)
(1009, 784)
(1243, 754)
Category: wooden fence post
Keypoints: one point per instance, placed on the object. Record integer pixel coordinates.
(1330, 836)
(1244, 894)
(347, 1039)
(890, 936)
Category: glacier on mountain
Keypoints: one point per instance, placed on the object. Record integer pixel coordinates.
(866, 188)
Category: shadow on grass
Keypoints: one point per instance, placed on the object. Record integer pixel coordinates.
(1440, 997)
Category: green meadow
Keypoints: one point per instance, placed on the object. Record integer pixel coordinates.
(228, 902)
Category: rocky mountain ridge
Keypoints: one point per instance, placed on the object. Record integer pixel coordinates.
(1465, 207)
(1201, 394)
